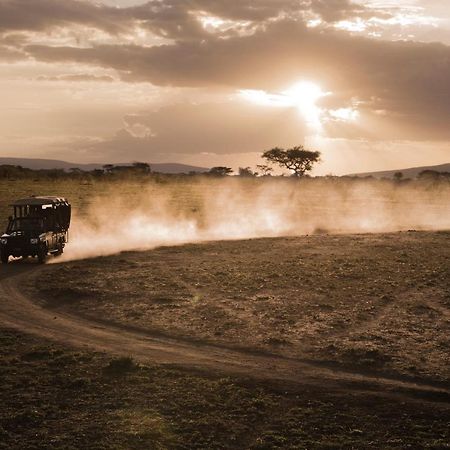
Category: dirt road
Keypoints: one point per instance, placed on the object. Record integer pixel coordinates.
(21, 313)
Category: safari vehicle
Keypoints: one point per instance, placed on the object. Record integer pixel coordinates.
(39, 226)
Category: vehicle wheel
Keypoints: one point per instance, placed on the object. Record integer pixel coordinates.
(60, 250)
(42, 255)
(4, 257)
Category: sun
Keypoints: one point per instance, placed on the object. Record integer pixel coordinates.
(304, 95)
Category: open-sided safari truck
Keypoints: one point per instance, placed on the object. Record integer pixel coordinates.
(39, 226)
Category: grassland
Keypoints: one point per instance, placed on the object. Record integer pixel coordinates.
(59, 398)
(377, 302)
(356, 204)
(81, 193)
(362, 303)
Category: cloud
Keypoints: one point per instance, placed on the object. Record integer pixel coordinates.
(400, 88)
(221, 128)
(173, 19)
(11, 48)
(407, 80)
(77, 78)
(42, 15)
(9, 54)
(335, 10)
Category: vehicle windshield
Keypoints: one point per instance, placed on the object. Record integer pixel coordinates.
(26, 224)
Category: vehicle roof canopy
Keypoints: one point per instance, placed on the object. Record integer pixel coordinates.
(39, 201)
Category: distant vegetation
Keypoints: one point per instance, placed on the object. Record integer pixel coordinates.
(407, 172)
(143, 170)
(297, 160)
(109, 171)
(433, 175)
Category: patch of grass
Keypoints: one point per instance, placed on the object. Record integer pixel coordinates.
(120, 366)
(385, 291)
(73, 404)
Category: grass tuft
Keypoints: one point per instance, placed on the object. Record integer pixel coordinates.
(120, 366)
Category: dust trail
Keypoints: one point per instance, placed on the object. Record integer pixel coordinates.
(138, 217)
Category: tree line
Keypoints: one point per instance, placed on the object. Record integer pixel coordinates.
(297, 160)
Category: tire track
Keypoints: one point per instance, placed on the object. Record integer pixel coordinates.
(19, 312)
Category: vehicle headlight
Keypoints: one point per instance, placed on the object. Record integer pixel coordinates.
(4, 241)
(34, 241)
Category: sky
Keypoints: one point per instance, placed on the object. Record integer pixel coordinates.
(217, 82)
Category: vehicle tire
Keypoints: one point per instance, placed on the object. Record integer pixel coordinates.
(60, 250)
(42, 255)
(4, 257)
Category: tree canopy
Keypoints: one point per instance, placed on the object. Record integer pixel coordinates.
(297, 159)
(246, 172)
(220, 171)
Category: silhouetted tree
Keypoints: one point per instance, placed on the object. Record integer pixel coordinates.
(220, 171)
(398, 176)
(54, 174)
(97, 173)
(108, 167)
(433, 175)
(10, 171)
(142, 167)
(296, 159)
(265, 170)
(246, 172)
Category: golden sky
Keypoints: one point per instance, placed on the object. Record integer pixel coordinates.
(214, 82)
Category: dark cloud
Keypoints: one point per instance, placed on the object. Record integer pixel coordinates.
(174, 19)
(335, 10)
(42, 15)
(407, 82)
(406, 79)
(249, 10)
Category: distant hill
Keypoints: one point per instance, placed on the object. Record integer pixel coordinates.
(407, 173)
(36, 164)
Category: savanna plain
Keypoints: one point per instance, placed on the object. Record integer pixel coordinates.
(194, 312)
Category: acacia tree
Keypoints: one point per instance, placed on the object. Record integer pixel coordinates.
(220, 171)
(265, 170)
(142, 167)
(296, 159)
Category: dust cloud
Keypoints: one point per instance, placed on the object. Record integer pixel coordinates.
(142, 217)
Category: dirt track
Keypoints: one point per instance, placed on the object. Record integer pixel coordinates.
(19, 312)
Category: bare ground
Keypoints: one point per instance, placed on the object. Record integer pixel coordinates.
(375, 302)
(359, 323)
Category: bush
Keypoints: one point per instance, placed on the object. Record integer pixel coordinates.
(120, 366)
